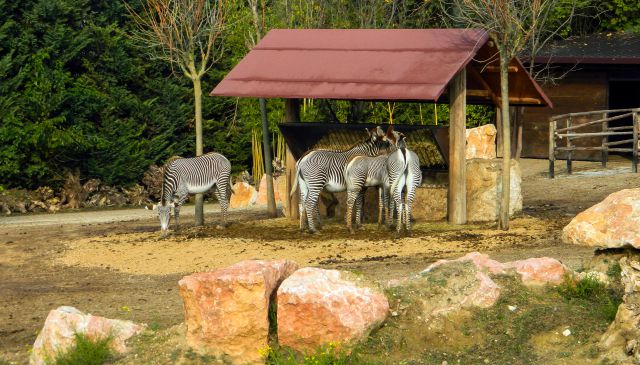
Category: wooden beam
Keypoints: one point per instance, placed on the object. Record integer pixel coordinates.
(457, 198)
(291, 115)
(497, 69)
(476, 75)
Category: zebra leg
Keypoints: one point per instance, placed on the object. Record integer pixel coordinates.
(351, 199)
(311, 208)
(318, 217)
(301, 204)
(380, 206)
(359, 207)
(176, 209)
(224, 204)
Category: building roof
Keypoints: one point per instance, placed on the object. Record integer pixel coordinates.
(364, 64)
(599, 48)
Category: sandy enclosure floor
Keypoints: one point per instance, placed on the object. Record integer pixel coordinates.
(122, 268)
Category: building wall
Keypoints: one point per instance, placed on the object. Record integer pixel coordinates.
(579, 91)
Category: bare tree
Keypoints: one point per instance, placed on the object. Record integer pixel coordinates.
(188, 35)
(511, 24)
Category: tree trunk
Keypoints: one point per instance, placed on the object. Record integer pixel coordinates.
(503, 219)
(520, 114)
(197, 95)
(457, 197)
(266, 146)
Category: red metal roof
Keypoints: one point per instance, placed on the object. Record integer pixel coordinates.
(365, 64)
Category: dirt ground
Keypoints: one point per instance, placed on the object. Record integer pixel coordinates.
(115, 263)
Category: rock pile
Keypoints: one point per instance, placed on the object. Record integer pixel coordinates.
(481, 142)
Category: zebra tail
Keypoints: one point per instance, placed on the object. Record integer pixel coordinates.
(295, 182)
(406, 166)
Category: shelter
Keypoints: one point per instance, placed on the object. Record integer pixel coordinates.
(434, 65)
(594, 72)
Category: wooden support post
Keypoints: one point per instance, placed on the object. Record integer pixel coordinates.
(552, 147)
(268, 167)
(457, 198)
(569, 145)
(605, 140)
(634, 167)
(291, 115)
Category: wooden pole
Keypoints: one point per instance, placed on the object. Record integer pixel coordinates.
(569, 145)
(268, 168)
(605, 139)
(552, 148)
(634, 167)
(457, 198)
(291, 115)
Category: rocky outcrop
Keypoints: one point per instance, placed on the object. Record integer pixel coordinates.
(226, 311)
(481, 142)
(317, 306)
(62, 324)
(484, 186)
(532, 271)
(431, 203)
(262, 191)
(620, 343)
(244, 195)
(614, 222)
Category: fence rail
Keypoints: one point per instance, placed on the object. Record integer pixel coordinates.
(567, 134)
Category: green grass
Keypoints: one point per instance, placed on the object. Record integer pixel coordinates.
(325, 355)
(614, 271)
(86, 351)
(589, 291)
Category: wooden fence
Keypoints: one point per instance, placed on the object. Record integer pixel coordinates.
(568, 132)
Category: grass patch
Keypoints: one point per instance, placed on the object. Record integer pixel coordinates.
(592, 293)
(614, 271)
(86, 351)
(325, 355)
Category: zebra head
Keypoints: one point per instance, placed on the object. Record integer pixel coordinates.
(376, 142)
(164, 213)
(395, 138)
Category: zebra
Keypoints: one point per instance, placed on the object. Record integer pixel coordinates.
(184, 176)
(404, 170)
(362, 172)
(319, 169)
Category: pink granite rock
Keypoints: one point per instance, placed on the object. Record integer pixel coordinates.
(481, 142)
(244, 195)
(539, 270)
(317, 306)
(533, 271)
(612, 223)
(262, 191)
(61, 325)
(226, 311)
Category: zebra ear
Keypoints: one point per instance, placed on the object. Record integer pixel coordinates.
(389, 130)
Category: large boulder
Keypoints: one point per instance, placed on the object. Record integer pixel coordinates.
(614, 222)
(277, 190)
(58, 334)
(484, 186)
(243, 196)
(226, 311)
(620, 344)
(481, 142)
(317, 306)
(448, 287)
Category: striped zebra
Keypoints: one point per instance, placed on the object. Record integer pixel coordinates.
(184, 176)
(405, 176)
(324, 169)
(362, 172)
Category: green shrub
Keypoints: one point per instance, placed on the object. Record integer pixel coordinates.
(614, 271)
(86, 351)
(590, 291)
